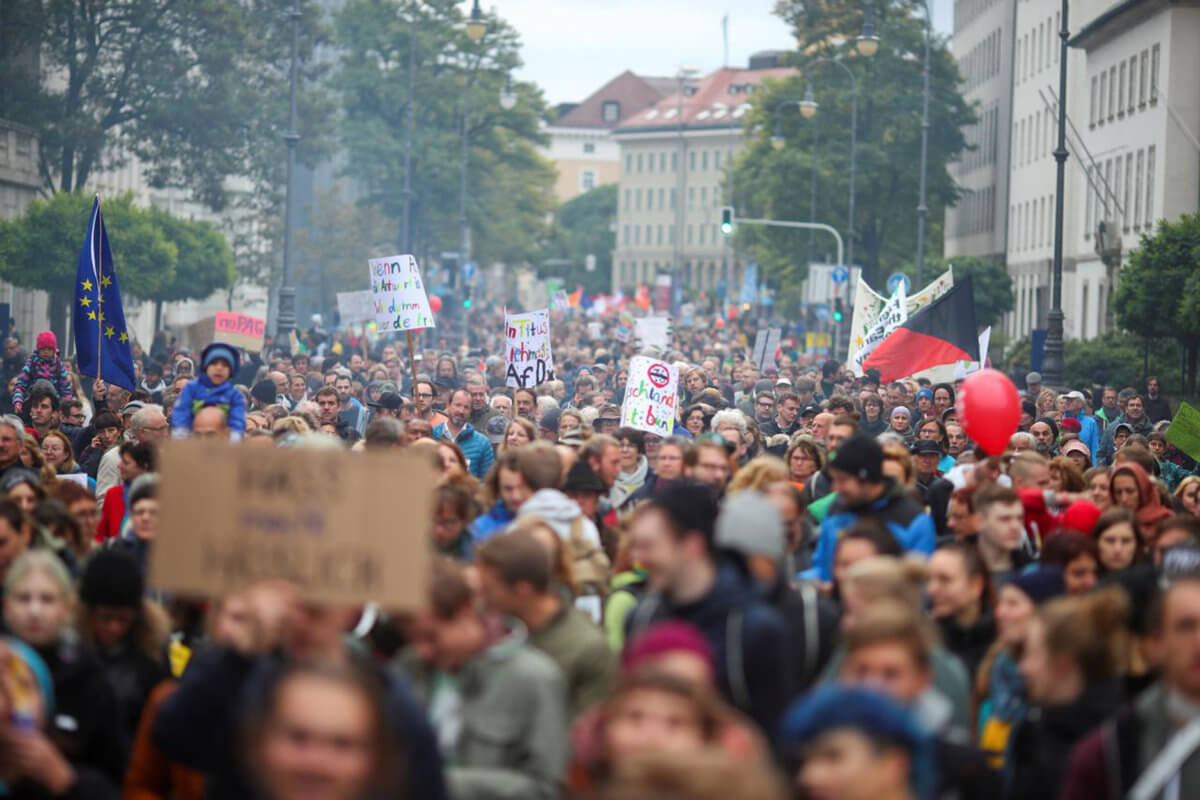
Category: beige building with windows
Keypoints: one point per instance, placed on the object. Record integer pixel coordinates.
(20, 184)
(673, 162)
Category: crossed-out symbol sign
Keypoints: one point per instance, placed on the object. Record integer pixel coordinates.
(659, 375)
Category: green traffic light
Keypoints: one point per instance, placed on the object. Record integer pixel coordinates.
(467, 303)
(837, 316)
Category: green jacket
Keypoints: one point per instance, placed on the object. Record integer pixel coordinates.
(581, 651)
(622, 599)
(513, 743)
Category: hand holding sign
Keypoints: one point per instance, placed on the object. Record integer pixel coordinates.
(527, 349)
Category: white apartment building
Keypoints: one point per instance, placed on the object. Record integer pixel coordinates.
(1133, 107)
(983, 46)
(673, 161)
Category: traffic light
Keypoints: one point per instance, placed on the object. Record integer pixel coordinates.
(838, 311)
(727, 220)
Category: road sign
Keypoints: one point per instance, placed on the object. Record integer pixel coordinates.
(840, 275)
(897, 278)
(469, 270)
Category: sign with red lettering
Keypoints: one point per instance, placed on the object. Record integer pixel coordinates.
(239, 330)
(651, 396)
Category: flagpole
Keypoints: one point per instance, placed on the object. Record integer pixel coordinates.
(98, 260)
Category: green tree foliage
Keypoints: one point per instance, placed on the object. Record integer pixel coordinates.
(205, 260)
(774, 183)
(332, 253)
(1116, 358)
(509, 185)
(991, 283)
(582, 226)
(197, 90)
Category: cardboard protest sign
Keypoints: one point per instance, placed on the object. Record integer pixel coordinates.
(893, 314)
(766, 343)
(1184, 431)
(527, 349)
(356, 308)
(624, 327)
(345, 528)
(653, 332)
(651, 396)
(399, 294)
(239, 330)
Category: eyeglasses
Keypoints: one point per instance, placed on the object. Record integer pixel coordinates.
(609, 420)
(425, 395)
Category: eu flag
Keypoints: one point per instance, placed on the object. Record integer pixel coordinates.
(101, 338)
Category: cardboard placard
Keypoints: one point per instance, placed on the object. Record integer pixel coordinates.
(356, 308)
(651, 396)
(399, 294)
(239, 330)
(527, 349)
(1184, 431)
(766, 343)
(345, 528)
(653, 332)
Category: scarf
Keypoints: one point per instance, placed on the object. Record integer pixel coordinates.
(628, 482)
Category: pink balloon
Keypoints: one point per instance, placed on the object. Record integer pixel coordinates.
(989, 409)
(435, 303)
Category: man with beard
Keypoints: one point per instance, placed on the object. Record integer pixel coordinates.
(458, 429)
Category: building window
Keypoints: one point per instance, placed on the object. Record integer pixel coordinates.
(649, 238)
(704, 197)
(587, 180)
(637, 234)
(658, 234)
(716, 159)
(639, 162)
(1121, 92)
(1125, 209)
(700, 234)
(1137, 191)
(1116, 193)
(692, 161)
(1149, 220)
(629, 163)
(649, 199)
(672, 199)
(1143, 74)
(1092, 106)
(704, 160)
(661, 196)
(1153, 76)
(611, 111)
(1103, 95)
(1089, 195)
(1132, 82)
(1112, 92)
(589, 147)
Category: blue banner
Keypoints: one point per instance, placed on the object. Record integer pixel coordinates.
(102, 343)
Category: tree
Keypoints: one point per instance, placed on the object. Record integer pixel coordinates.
(509, 184)
(772, 183)
(582, 226)
(1115, 358)
(1158, 291)
(198, 91)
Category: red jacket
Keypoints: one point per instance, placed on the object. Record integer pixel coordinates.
(112, 515)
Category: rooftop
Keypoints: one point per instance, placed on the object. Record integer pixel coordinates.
(631, 93)
(718, 100)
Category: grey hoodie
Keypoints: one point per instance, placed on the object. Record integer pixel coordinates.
(558, 511)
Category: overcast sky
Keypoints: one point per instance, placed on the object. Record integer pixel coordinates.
(572, 48)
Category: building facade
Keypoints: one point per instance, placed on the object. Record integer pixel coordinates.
(19, 184)
(673, 161)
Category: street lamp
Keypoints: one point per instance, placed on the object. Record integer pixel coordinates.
(867, 43)
(476, 25)
(808, 106)
(681, 78)
(922, 209)
(508, 98)
(285, 321)
(1053, 364)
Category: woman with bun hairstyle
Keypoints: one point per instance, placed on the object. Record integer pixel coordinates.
(1074, 654)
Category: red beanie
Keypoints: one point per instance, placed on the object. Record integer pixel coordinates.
(47, 339)
(663, 638)
(1081, 516)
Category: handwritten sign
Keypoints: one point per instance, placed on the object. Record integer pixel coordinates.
(624, 327)
(527, 349)
(239, 330)
(892, 316)
(1184, 431)
(345, 528)
(399, 294)
(653, 332)
(356, 308)
(651, 396)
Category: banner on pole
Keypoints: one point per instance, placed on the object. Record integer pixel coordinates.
(893, 314)
(399, 294)
(239, 330)
(527, 349)
(868, 304)
(651, 395)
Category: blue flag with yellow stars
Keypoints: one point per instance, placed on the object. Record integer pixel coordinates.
(101, 338)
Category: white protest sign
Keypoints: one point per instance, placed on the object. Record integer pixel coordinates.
(766, 342)
(527, 349)
(399, 295)
(653, 332)
(595, 330)
(650, 396)
(868, 304)
(892, 316)
(356, 308)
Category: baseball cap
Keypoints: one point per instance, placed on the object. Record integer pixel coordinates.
(924, 446)
(784, 382)
(810, 411)
(1076, 446)
(132, 406)
(764, 387)
(388, 400)
(495, 428)
(1075, 395)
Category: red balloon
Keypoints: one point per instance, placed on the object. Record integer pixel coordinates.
(989, 409)
(435, 303)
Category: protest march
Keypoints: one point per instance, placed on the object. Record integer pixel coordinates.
(557, 552)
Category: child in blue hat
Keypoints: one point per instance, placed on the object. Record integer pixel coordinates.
(214, 387)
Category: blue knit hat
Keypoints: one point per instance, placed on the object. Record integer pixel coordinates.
(1041, 583)
(833, 707)
(220, 350)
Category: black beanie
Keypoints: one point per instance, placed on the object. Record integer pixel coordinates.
(692, 506)
(859, 456)
(264, 391)
(112, 578)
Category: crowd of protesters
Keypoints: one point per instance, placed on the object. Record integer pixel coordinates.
(817, 587)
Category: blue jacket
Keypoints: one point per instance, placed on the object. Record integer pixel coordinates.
(201, 393)
(756, 678)
(1089, 434)
(475, 446)
(200, 723)
(911, 526)
(489, 524)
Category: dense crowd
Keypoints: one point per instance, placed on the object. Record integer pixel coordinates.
(817, 587)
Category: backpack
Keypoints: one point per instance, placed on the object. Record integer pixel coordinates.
(589, 562)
